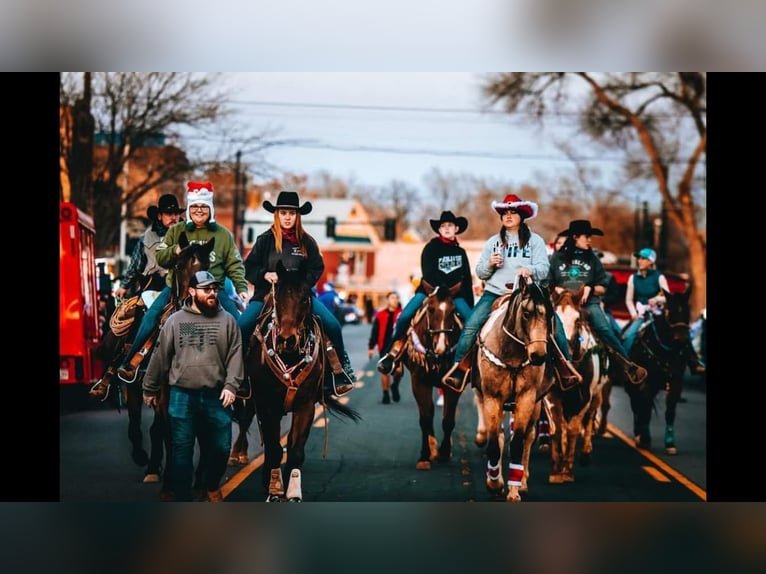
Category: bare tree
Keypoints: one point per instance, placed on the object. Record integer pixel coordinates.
(658, 120)
(143, 118)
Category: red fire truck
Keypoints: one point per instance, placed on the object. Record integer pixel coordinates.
(79, 328)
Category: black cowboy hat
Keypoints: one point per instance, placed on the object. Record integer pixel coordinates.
(288, 200)
(581, 227)
(448, 216)
(167, 204)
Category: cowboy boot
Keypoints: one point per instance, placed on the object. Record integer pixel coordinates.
(340, 377)
(633, 372)
(386, 363)
(347, 379)
(565, 370)
(457, 376)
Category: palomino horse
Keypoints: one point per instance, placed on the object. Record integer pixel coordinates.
(286, 365)
(510, 366)
(661, 347)
(193, 257)
(573, 408)
(433, 336)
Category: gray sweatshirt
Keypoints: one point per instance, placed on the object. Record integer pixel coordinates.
(534, 257)
(194, 352)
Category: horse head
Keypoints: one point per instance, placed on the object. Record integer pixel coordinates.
(529, 320)
(192, 258)
(676, 313)
(292, 306)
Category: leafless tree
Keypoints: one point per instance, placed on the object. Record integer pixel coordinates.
(657, 120)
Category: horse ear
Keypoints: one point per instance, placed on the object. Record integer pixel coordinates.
(183, 241)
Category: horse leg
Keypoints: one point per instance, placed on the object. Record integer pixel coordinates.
(493, 414)
(159, 437)
(606, 392)
(529, 441)
(524, 427)
(296, 453)
(481, 427)
(558, 440)
(135, 435)
(672, 396)
(244, 413)
(272, 456)
(448, 424)
(428, 445)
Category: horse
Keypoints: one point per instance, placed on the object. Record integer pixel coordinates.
(117, 342)
(661, 348)
(574, 408)
(511, 365)
(433, 336)
(286, 364)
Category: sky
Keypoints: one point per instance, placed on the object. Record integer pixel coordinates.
(372, 128)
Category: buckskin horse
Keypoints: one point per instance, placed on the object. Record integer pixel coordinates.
(117, 341)
(573, 408)
(511, 365)
(286, 363)
(661, 347)
(432, 338)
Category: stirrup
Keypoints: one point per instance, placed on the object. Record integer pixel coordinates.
(345, 385)
(449, 381)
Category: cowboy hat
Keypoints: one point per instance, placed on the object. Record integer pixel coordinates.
(527, 209)
(167, 204)
(288, 200)
(581, 227)
(449, 217)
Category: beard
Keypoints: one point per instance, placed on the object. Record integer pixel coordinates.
(207, 304)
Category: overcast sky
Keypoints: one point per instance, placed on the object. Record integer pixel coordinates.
(372, 128)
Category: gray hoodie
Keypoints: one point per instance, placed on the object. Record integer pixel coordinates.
(534, 257)
(195, 352)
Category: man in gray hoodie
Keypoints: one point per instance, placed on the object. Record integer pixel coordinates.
(199, 354)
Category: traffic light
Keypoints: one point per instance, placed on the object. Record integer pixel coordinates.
(389, 229)
(330, 230)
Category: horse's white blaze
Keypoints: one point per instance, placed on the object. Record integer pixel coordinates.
(441, 342)
(568, 316)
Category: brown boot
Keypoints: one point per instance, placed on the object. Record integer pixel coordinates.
(565, 370)
(633, 372)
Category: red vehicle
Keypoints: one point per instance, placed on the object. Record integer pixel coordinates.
(79, 328)
(677, 283)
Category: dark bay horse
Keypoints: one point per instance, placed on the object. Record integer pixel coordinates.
(115, 344)
(511, 365)
(574, 408)
(286, 364)
(433, 336)
(661, 347)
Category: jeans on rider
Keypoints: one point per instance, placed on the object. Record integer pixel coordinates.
(473, 324)
(600, 324)
(197, 413)
(631, 332)
(411, 309)
(330, 324)
(154, 313)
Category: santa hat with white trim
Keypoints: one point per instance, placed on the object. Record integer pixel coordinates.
(527, 209)
(199, 192)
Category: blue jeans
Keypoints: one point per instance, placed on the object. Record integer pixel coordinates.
(330, 324)
(479, 315)
(600, 324)
(631, 333)
(152, 317)
(409, 311)
(197, 414)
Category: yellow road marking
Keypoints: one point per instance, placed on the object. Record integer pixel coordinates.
(655, 474)
(700, 492)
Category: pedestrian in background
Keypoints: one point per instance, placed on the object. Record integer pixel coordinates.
(380, 337)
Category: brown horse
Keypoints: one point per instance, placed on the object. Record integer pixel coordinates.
(286, 366)
(573, 408)
(193, 257)
(511, 366)
(432, 338)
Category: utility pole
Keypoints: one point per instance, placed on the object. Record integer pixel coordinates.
(235, 216)
(81, 165)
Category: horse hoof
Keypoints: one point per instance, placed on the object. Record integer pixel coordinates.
(294, 499)
(671, 450)
(199, 494)
(568, 477)
(495, 486)
(423, 465)
(140, 457)
(243, 459)
(233, 461)
(151, 477)
(544, 448)
(480, 440)
(513, 497)
(274, 498)
(556, 479)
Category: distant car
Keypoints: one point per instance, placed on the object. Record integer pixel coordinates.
(677, 283)
(348, 314)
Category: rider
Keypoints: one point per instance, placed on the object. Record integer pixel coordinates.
(287, 241)
(644, 292)
(514, 251)
(143, 270)
(443, 264)
(225, 261)
(574, 265)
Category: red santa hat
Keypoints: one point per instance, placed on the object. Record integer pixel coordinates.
(199, 193)
(527, 209)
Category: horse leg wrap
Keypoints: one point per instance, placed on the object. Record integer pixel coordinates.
(515, 474)
(294, 491)
(493, 472)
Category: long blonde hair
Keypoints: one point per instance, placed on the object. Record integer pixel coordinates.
(300, 233)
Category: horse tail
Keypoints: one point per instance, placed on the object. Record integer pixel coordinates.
(338, 409)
